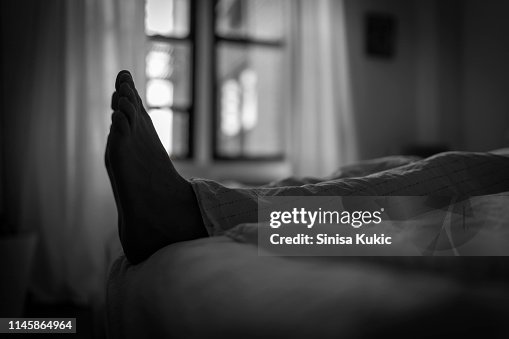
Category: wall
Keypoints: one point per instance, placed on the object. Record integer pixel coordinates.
(448, 83)
(486, 75)
(384, 91)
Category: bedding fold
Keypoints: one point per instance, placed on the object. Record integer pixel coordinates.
(448, 174)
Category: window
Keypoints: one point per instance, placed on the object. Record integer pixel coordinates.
(169, 60)
(248, 48)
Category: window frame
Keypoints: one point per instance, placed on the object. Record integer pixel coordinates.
(281, 44)
(190, 110)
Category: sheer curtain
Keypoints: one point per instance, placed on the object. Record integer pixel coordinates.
(103, 37)
(323, 124)
(59, 73)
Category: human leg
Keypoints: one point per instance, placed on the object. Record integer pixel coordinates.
(454, 174)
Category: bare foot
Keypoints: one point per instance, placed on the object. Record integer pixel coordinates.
(156, 206)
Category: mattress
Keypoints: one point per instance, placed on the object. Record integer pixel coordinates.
(220, 288)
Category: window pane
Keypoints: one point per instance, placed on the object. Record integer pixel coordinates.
(250, 119)
(159, 93)
(258, 19)
(173, 130)
(167, 17)
(158, 62)
(168, 70)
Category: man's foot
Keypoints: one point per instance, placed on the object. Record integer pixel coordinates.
(156, 206)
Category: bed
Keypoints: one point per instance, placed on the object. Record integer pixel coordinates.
(223, 287)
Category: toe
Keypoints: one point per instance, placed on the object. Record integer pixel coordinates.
(124, 77)
(119, 123)
(114, 101)
(127, 108)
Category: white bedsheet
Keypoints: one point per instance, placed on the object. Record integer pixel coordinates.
(219, 288)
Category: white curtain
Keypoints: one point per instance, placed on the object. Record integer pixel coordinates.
(323, 124)
(56, 182)
(103, 37)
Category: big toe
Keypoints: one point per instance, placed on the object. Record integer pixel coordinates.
(114, 101)
(124, 77)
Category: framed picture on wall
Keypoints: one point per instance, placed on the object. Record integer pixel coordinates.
(380, 35)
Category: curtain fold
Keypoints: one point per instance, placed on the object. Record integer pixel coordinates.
(60, 72)
(103, 37)
(323, 124)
